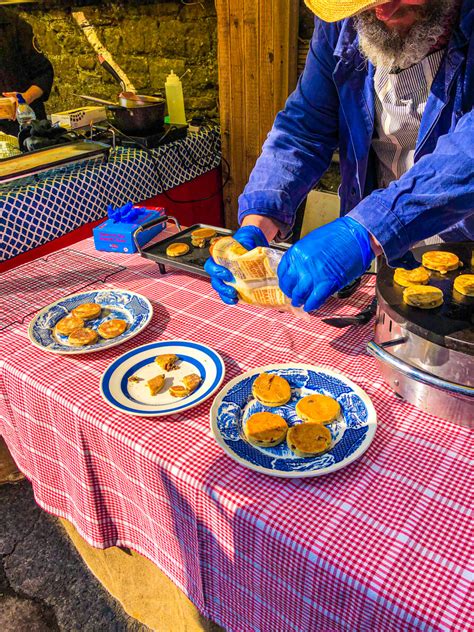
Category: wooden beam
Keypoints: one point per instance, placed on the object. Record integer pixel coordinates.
(257, 56)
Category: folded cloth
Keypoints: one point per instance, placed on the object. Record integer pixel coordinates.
(41, 134)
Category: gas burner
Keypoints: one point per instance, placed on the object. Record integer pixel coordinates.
(107, 134)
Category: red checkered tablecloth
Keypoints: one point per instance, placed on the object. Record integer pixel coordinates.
(384, 544)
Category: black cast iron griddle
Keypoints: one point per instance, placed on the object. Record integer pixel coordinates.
(194, 260)
(450, 325)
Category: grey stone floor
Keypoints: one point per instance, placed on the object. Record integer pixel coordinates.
(44, 584)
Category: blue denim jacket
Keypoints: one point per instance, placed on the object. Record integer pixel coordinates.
(333, 107)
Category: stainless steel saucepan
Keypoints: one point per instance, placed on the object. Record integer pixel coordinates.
(139, 119)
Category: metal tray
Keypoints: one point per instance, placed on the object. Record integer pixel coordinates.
(194, 260)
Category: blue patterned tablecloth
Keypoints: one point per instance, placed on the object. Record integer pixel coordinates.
(37, 209)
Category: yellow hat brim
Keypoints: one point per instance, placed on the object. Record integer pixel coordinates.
(335, 10)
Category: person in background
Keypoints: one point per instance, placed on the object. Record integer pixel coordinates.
(23, 67)
(391, 85)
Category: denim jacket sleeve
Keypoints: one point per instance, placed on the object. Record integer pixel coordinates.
(435, 194)
(299, 147)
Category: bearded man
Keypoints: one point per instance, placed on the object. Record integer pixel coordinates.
(391, 85)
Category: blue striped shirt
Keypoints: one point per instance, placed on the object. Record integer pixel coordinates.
(400, 100)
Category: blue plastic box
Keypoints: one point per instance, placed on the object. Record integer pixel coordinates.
(116, 233)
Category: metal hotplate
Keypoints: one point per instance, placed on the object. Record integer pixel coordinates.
(450, 325)
(194, 260)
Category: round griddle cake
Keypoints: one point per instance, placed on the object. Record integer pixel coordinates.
(450, 325)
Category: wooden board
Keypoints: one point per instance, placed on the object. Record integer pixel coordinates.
(257, 56)
(44, 159)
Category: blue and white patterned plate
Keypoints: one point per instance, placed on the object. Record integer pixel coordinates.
(129, 306)
(352, 432)
(133, 398)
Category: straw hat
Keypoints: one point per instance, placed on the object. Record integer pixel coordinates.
(334, 10)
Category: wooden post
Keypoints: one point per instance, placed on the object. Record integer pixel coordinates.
(257, 55)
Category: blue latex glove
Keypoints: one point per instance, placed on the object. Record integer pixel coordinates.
(324, 262)
(249, 237)
(127, 213)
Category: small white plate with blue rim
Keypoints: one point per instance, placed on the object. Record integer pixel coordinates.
(134, 398)
(135, 309)
(352, 432)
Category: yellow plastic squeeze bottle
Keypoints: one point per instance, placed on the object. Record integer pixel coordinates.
(174, 99)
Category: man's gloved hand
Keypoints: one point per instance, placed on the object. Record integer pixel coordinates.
(249, 237)
(324, 261)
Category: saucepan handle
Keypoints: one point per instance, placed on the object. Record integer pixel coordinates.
(153, 222)
(110, 69)
(416, 374)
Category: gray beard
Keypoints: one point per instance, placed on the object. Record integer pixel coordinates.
(393, 50)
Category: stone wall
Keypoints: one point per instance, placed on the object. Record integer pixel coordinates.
(306, 22)
(147, 38)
